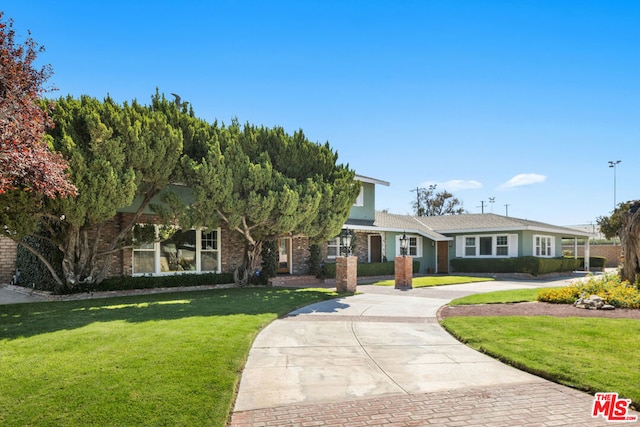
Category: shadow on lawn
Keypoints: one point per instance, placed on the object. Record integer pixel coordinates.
(25, 320)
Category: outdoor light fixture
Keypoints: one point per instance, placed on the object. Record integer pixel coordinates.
(345, 241)
(404, 244)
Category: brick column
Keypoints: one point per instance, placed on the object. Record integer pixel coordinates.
(346, 273)
(403, 266)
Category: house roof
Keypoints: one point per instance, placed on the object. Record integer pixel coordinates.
(370, 180)
(453, 224)
(441, 227)
(400, 223)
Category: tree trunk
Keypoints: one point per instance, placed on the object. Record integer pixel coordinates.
(630, 241)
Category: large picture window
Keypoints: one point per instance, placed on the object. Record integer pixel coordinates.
(487, 246)
(185, 251)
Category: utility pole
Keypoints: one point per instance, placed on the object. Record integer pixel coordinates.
(507, 209)
(492, 200)
(481, 205)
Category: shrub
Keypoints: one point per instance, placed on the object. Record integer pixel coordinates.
(33, 273)
(174, 281)
(609, 287)
(370, 269)
(527, 264)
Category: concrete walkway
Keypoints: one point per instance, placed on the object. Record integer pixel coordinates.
(13, 294)
(381, 358)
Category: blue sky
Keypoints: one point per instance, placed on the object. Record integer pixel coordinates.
(521, 101)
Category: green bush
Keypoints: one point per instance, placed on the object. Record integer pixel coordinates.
(33, 273)
(528, 264)
(174, 281)
(595, 262)
(370, 269)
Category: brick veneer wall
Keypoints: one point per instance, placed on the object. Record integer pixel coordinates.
(8, 253)
(610, 252)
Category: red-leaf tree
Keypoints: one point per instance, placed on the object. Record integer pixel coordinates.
(25, 159)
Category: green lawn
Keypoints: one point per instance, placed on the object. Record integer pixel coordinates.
(164, 359)
(424, 281)
(498, 297)
(591, 354)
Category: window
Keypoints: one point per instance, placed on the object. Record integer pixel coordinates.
(209, 251)
(185, 251)
(414, 245)
(502, 245)
(360, 199)
(543, 246)
(470, 246)
(144, 258)
(486, 246)
(412, 250)
(333, 247)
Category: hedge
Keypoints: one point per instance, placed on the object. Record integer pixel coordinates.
(594, 262)
(369, 269)
(173, 281)
(528, 264)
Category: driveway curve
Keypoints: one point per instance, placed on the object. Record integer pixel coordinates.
(381, 358)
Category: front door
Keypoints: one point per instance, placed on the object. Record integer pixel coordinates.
(284, 255)
(443, 257)
(375, 248)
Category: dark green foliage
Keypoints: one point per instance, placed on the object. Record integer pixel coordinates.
(175, 281)
(370, 269)
(610, 225)
(33, 273)
(315, 261)
(528, 264)
(597, 262)
(269, 263)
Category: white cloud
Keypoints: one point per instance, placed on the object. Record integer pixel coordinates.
(453, 185)
(523, 179)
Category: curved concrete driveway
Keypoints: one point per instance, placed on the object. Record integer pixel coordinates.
(334, 362)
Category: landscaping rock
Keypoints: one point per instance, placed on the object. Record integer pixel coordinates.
(594, 302)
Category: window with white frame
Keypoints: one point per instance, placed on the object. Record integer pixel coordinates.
(469, 246)
(185, 251)
(543, 246)
(414, 245)
(504, 245)
(360, 199)
(333, 247)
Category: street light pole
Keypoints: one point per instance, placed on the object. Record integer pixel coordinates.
(613, 164)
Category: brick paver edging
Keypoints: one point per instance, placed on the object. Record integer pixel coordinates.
(528, 405)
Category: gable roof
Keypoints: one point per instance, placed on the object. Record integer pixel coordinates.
(440, 228)
(466, 223)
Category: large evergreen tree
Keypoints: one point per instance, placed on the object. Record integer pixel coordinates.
(116, 154)
(264, 183)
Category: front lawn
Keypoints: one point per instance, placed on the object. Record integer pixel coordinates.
(163, 359)
(424, 281)
(591, 354)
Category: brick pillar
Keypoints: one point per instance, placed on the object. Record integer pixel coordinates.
(346, 273)
(403, 266)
